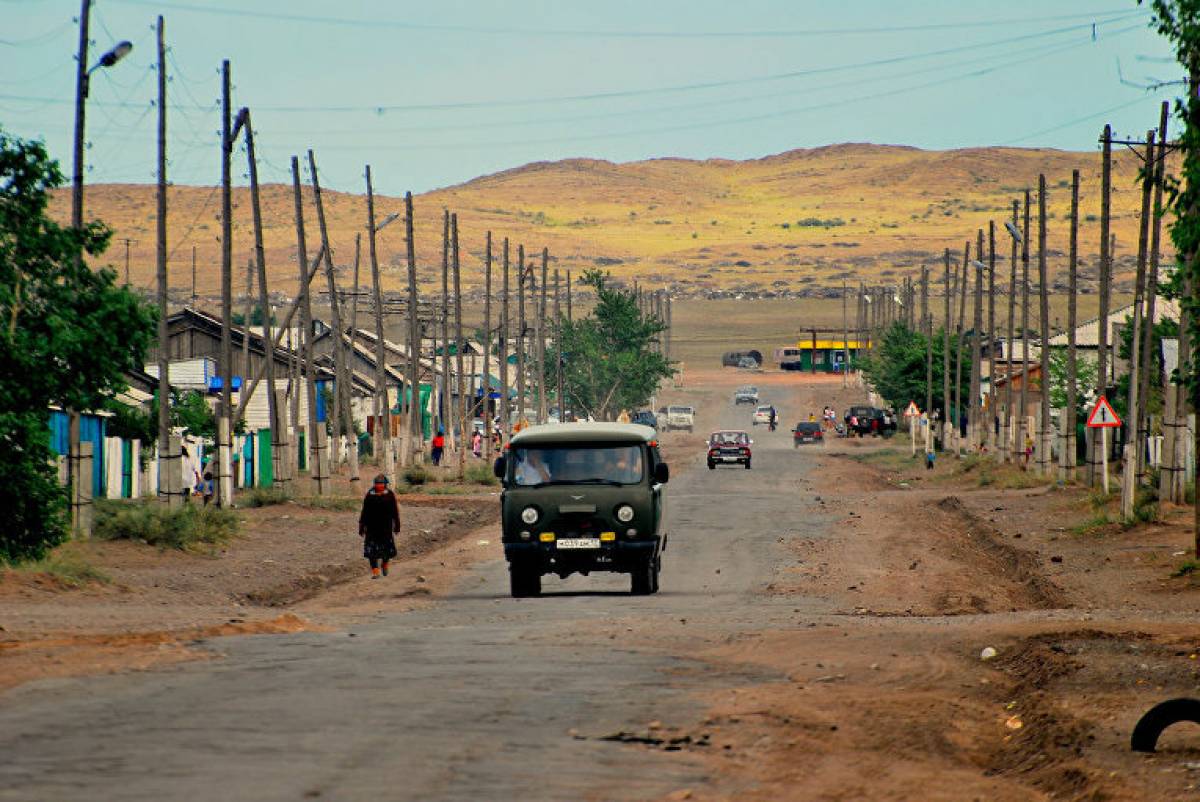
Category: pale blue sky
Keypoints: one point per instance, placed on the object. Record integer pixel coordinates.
(432, 94)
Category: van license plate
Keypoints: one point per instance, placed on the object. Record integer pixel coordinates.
(579, 543)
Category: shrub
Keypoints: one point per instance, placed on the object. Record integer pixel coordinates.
(481, 475)
(185, 528)
(1187, 568)
(264, 497)
(343, 503)
(416, 475)
(67, 568)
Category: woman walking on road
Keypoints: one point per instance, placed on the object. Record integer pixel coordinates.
(378, 523)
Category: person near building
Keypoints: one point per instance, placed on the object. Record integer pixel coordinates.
(437, 445)
(378, 524)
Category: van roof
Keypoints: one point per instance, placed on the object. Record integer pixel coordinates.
(552, 433)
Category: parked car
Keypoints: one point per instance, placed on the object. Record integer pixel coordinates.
(859, 421)
(680, 417)
(747, 394)
(762, 414)
(729, 448)
(807, 432)
(748, 363)
(645, 417)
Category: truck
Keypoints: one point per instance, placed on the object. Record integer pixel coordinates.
(680, 417)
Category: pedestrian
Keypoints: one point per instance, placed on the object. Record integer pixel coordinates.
(1028, 449)
(929, 457)
(477, 444)
(378, 524)
(206, 487)
(437, 446)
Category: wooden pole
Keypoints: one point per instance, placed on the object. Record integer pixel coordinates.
(461, 404)
(1009, 442)
(319, 480)
(946, 413)
(164, 362)
(521, 332)
(569, 315)
(1149, 354)
(246, 327)
(1023, 416)
(558, 372)
(1133, 418)
(1044, 447)
(958, 356)
(845, 337)
(486, 413)
(974, 410)
(335, 314)
(447, 406)
(414, 333)
(990, 419)
(278, 431)
(1105, 279)
(540, 334)
(505, 412)
(1069, 443)
(385, 457)
(226, 249)
(347, 400)
(927, 330)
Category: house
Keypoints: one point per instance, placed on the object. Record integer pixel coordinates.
(1087, 335)
(819, 355)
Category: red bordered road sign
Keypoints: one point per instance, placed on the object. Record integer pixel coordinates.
(912, 411)
(1103, 416)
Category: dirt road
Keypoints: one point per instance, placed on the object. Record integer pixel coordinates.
(817, 637)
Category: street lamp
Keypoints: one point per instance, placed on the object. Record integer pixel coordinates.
(1014, 231)
(391, 218)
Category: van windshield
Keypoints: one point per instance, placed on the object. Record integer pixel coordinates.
(541, 465)
(680, 410)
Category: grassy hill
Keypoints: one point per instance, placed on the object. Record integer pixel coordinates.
(794, 222)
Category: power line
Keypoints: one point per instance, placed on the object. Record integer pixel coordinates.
(1078, 120)
(524, 32)
(41, 38)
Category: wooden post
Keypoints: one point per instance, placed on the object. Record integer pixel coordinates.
(226, 269)
(1023, 416)
(164, 362)
(335, 315)
(1149, 364)
(447, 405)
(246, 328)
(558, 365)
(1105, 279)
(1133, 417)
(1044, 446)
(1069, 442)
(990, 419)
(382, 443)
(541, 338)
(486, 414)
(946, 414)
(278, 438)
(974, 410)
(1009, 443)
(417, 443)
(319, 481)
(505, 412)
(521, 332)
(464, 439)
(958, 357)
(348, 399)
(927, 330)
(569, 315)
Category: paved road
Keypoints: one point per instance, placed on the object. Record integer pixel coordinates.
(470, 699)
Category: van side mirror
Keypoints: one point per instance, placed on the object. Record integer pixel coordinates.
(662, 473)
(499, 467)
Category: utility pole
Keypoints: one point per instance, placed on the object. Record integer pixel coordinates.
(447, 406)
(558, 364)
(927, 327)
(521, 333)
(991, 420)
(1044, 324)
(975, 411)
(385, 458)
(461, 404)
(1094, 461)
(1133, 445)
(958, 357)
(225, 479)
(845, 338)
(486, 413)
(129, 242)
(1009, 348)
(164, 364)
(352, 453)
(1023, 427)
(569, 315)
(540, 329)
(946, 357)
(1154, 171)
(505, 412)
(414, 334)
(195, 297)
(278, 430)
(335, 315)
(1069, 444)
(315, 468)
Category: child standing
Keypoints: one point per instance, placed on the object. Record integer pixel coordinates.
(378, 523)
(437, 445)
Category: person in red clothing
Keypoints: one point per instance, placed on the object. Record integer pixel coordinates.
(378, 524)
(438, 444)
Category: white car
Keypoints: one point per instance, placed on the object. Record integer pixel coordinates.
(762, 415)
(680, 417)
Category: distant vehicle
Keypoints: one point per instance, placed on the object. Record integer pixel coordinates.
(807, 432)
(859, 421)
(747, 394)
(729, 447)
(730, 359)
(680, 417)
(747, 363)
(762, 415)
(645, 417)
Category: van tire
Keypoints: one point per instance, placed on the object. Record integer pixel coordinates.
(524, 582)
(644, 579)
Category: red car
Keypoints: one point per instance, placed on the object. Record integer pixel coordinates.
(729, 448)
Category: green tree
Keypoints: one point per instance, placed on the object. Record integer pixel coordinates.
(190, 412)
(609, 363)
(67, 335)
(897, 370)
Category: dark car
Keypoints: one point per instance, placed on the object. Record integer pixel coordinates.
(859, 421)
(729, 448)
(807, 433)
(582, 497)
(645, 417)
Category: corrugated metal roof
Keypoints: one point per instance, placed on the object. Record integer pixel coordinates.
(1087, 335)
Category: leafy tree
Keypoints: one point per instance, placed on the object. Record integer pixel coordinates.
(609, 363)
(256, 317)
(897, 371)
(1085, 378)
(67, 335)
(192, 413)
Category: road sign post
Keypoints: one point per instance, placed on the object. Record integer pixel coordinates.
(1103, 417)
(913, 414)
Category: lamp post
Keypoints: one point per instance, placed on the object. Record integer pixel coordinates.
(1011, 438)
(81, 524)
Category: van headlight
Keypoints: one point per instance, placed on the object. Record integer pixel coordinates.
(624, 513)
(529, 515)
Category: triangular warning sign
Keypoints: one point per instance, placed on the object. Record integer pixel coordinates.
(1103, 416)
(912, 411)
